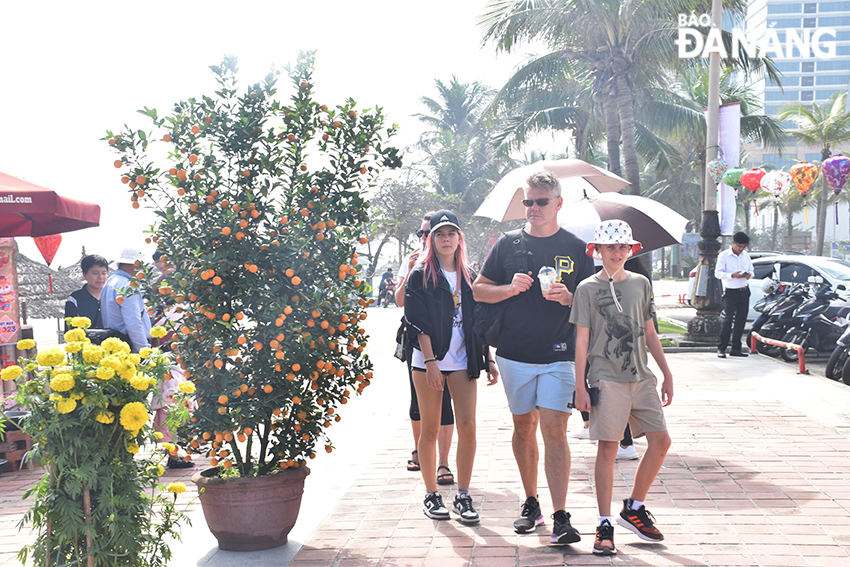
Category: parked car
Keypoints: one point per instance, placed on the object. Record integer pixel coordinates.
(692, 276)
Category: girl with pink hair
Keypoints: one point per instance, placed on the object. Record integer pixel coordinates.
(439, 309)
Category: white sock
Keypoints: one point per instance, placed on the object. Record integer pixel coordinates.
(636, 504)
(603, 518)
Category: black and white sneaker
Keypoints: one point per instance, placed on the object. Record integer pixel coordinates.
(530, 517)
(463, 508)
(434, 508)
(604, 543)
(563, 532)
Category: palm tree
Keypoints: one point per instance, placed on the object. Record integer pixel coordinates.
(461, 162)
(824, 126)
(678, 111)
(623, 44)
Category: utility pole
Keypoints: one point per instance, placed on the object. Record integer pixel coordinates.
(705, 326)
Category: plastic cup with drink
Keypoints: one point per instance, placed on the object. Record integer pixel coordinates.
(547, 277)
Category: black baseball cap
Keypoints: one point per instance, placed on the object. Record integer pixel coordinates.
(443, 218)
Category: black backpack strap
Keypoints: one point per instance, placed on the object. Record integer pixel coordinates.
(521, 253)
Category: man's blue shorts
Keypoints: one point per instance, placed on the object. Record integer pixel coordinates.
(529, 386)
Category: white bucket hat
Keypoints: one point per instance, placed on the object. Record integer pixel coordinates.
(613, 232)
(129, 256)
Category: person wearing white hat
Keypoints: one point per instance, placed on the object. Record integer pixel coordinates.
(614, 327)
(129, 316)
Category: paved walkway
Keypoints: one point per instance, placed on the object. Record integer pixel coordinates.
(757, 475)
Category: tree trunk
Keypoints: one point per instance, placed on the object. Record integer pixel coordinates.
(775, 231)
(790, 247)
(612, 129)
(626, 104)
(822, 205)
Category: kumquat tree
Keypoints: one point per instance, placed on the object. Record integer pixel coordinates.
(261, 209)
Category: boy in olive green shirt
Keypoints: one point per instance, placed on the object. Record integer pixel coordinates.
(613, 317)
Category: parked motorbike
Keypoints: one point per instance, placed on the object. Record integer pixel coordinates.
(780, 318)
(388, 295)
(814, 329)
(773, 294)
(838, 359)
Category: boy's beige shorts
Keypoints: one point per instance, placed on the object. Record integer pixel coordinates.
(636, 403)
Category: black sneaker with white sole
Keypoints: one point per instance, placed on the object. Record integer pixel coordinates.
(434, 508)
(463, 508)
(530, 517)
(563, 532)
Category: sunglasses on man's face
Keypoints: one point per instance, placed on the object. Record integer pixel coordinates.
(422, 233)
(542, 202)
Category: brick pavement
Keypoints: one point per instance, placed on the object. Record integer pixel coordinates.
(755, 476)
(749, 481)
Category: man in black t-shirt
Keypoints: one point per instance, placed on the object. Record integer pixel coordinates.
(536, 346)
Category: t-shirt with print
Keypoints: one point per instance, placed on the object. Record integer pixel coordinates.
(455, 358)
(535, 330)
(617, 348)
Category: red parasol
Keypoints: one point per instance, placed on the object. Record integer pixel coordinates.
(29, 210)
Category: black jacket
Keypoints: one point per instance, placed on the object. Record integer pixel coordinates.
(430, 311)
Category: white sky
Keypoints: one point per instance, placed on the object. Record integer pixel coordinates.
(72, 70)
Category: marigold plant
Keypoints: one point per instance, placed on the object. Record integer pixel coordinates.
(98, 500)
(261, 207)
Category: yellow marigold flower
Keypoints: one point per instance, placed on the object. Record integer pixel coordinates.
(31, 367)
(26, 344)
(132, 448)
(11, 372)
(152, 380)
(105, 417)
(81, 322)
(55, 397)
(170, 447)
(66, 406)
(158, 469)
(176, 487)
(75, 335)
(126, 370)
(73, 347)
(187, 387)
(158, 332)
(111, 361)
(105, 373)
(112, 345)
(145, 352)
(140, 382)
(134, 359)
(77, 396)
(62, 383)
(52, 357)
(92, 354)
(134, 416)
(157, 435)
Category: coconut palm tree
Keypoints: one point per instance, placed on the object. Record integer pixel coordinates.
(622, 43)
(678, 111)
(823, 126)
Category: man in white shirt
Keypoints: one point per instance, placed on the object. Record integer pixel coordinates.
(734, 269)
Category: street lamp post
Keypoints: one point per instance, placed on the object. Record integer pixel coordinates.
(705, 326)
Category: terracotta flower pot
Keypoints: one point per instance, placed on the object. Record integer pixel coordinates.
(248, 514)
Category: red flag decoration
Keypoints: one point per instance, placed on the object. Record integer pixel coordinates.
(48, 245)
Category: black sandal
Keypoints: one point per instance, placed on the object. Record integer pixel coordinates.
(446, 477)
(413, 462)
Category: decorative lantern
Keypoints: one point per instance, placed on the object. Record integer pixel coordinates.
(804, 174)
(732, 177)
(836, 169)
(48, 245)
(751, 179)
(776, 182)
(716, 168)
